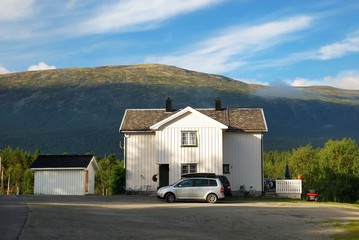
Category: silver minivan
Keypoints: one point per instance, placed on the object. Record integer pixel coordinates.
(209, 189)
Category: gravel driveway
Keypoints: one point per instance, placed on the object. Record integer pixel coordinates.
(146, 217)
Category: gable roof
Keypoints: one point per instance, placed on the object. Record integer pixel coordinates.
(63, 162)
(236, 119)
(181, 113)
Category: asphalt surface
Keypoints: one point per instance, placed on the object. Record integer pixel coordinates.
(146, 217)
(13, 214)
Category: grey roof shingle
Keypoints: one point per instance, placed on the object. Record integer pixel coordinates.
(62, 161)
(237, 119)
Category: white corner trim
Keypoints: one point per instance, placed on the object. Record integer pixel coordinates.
(264, 119)
(123, 119)
(96, 165)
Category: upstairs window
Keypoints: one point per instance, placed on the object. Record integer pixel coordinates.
(189, 139)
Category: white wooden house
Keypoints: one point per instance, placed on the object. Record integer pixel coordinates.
(171, 143)
(64, 174)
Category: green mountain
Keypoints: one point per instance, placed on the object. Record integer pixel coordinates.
(79, 110)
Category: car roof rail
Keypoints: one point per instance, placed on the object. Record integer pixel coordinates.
(203, 175)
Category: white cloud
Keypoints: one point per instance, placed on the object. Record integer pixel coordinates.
(344, 80)
(3, 70)
(128, 15)
(216, 54)
(303, 82)
(11, 10)
(337, 50)
(40, 66)
(299, 82)
(348, 80)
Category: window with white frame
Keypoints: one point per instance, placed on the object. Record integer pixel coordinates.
(189, 138)
(188, 168)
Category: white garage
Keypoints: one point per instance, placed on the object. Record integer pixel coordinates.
(65, 174)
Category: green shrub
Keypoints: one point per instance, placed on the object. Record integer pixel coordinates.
(117, 180)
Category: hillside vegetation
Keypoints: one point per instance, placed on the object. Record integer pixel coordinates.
(79, 110)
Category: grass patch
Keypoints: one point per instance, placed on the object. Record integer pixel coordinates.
(269, 199)
(331, 223)
(352, 231)
(263, 199)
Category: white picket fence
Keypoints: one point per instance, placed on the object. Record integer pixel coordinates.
(288, 186)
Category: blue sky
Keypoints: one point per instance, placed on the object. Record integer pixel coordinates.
(298, 43)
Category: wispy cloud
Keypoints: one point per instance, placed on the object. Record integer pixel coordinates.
(332, 51)
(11, 10)
(141, 14)
(40, 66)
(217, 54)
(339, 49)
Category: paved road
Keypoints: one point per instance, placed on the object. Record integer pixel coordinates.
(144, 217)
(13, 214)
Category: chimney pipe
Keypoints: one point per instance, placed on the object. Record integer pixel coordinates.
(168, 105)
(218, 104)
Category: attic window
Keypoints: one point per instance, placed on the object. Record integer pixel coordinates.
(189, 139)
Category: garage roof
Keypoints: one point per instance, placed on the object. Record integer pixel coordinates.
(63, 162)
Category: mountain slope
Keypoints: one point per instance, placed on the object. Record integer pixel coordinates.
(80, 110)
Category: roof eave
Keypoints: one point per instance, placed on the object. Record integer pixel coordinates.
(246, 131)
(137, 131)
(123, 119)
(264, 120)
(62, 168)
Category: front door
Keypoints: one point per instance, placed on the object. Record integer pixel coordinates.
(164, 175)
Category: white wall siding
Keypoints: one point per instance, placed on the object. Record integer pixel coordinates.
(140, 161)
(60, 182)
(207, 154)
(91, 179)
(243, 152)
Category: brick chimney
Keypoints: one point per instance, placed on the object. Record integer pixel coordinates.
(218, 105)
(168, 105)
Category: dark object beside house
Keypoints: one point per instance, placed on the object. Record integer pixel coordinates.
(223, 179)
(286, 173)
(312, 196)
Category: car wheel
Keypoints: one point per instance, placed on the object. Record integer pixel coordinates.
(170, 197)
(212, 198)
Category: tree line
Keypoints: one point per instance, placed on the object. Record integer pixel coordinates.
(333, 171)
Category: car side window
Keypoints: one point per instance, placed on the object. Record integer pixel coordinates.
(212, 183)
(185, 183)
(200, 182)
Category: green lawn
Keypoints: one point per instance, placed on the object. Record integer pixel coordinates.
(352, 231)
